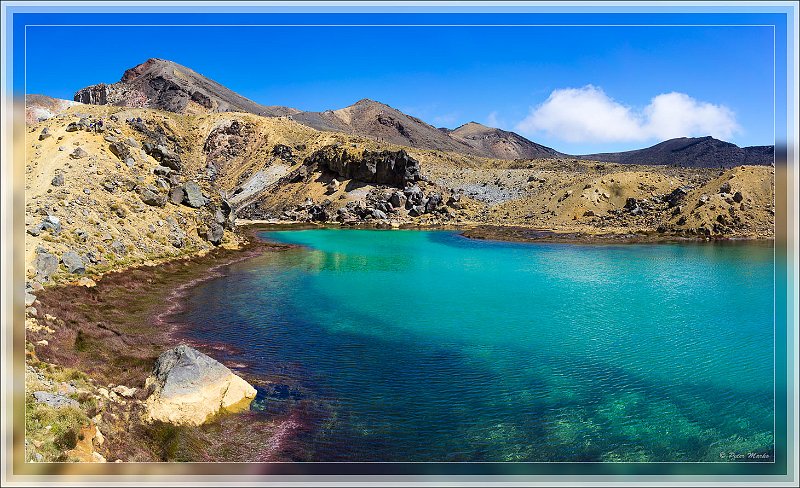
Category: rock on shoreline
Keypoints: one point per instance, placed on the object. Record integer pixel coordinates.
(189, 388)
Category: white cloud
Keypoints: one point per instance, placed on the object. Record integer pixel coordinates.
(587, 114)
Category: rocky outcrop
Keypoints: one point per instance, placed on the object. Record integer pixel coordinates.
(394, 168)
(94, 95)
(189, 388)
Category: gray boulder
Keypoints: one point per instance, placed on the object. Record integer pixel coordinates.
(164, 156)
(73, 262)
(215, 233)
(193, 195)
(152, 197)
(45, 265)
(176, 195)
(58, 180)
(189, 388)
(54, 400)
(119, 248)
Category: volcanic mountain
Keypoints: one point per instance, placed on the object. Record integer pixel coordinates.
(693, 152)
(165, 85)
(500, 144)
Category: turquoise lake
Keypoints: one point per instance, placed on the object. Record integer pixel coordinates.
(428, 346)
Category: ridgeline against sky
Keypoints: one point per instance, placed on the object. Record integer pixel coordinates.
(578, 89)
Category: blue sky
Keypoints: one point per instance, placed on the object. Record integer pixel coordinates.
(577, 89)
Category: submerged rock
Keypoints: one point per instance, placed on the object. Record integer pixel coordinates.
(189, 388)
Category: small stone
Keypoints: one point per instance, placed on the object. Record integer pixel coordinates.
(78, 153)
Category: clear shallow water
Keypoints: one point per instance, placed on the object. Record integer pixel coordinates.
(426, 346)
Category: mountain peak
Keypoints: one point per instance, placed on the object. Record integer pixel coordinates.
(167, 85)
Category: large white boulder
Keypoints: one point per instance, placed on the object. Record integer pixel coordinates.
(189, 388)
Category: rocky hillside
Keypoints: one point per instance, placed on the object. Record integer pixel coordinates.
(383, 123)
(500, 144)
(165, 85)
(692, 152)
(42, 107)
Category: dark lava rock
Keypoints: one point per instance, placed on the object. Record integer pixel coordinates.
(283, 152)
(676, 196)
(434, 200)
(738, 197)
(725, 188)
(395, 168)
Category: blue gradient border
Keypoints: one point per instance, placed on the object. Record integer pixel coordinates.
(783, 15)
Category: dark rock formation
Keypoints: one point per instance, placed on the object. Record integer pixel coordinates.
(395, 168)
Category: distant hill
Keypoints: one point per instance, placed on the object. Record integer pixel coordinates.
(376, 120)
(166, 85)
(383, 123)
(693, 152)
(500, 144)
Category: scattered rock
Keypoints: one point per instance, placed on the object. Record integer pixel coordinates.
(124, 391)
(176, 195)
(332, 187)
(153, 197)
(54, 400)
(215, 233)
(193, 195)
(78, 153)
(58, 180)
(188, 388)
(738, 197)
(45, 265)
(73, 262)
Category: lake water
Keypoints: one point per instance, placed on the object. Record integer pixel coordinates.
(427, 346)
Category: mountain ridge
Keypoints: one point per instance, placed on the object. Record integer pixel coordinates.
(166, 85)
